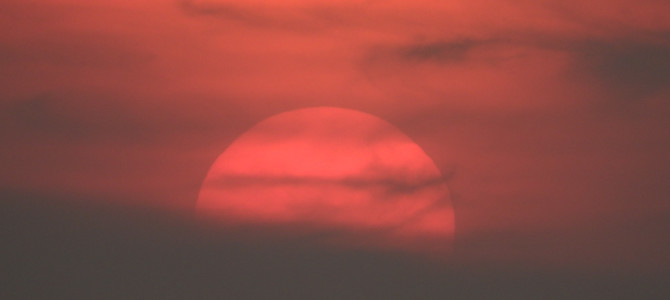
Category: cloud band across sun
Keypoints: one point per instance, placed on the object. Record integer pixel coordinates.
(331, 169)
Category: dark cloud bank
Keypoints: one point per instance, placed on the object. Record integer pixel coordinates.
(63, 249)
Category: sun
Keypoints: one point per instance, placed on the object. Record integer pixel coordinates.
(344, 177)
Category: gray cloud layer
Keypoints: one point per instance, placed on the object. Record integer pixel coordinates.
(78, 251)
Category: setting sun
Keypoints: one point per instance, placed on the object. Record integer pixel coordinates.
(332, 170)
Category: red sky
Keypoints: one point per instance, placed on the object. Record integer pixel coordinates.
(549, 119)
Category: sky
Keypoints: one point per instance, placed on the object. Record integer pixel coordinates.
(547, 120)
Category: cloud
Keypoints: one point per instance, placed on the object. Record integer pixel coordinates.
(441, 52)
(64, 248)
(523, 70)
(396, 185)
(295, 17)
(74, 119)
(628, 70)
(77, 50)
(89, 116)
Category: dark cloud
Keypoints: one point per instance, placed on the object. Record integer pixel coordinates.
(62, 248)
(81, 116)
(392, 185)
(629, 70)
(73, 119)
(81, 50)
(624, 72)
(224, 11)
(441, 52)
(296, 19)
(307, 17)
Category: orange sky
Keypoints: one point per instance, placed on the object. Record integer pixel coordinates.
(549, 118)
